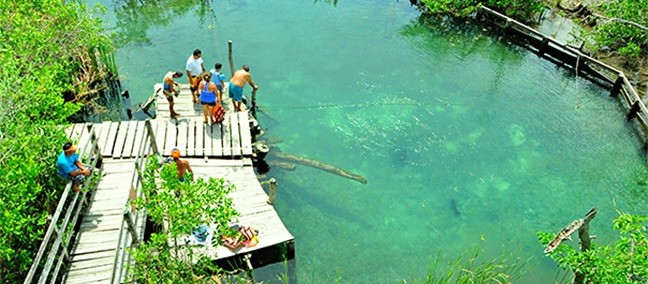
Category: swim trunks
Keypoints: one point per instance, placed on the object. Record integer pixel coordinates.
(235, 92)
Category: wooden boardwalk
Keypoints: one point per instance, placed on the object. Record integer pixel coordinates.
(212, 150)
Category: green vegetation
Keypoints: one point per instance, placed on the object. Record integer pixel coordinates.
(523, 10)
(623, 27)
(624, 261)
(469, 267)
(44, 62)
(180, 206)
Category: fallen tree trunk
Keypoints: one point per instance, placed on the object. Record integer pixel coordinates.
(319, 165)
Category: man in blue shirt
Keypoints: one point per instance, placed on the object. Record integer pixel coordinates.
(71, 168)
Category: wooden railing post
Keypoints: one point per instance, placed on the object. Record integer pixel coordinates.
(229, 57)
(273, 191)
(151, 136)
(617, 86)
(128, 217)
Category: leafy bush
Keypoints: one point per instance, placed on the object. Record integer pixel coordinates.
(624, 261)
(181, 206)
(617, 31)
(522, 10)
(42, 59)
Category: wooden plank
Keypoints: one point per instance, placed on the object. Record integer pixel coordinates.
(119, 140)
(200, 137)
(137, 143)
(129, 139)
(209, 132)
(246, 136)
(181, 143)
(227, 136)
(217, 141)
(191, 138)
(103, 136)
(110, 140)
(160, 134)
(69, 130)
(170, 140)
(236, 136)
(84, 138)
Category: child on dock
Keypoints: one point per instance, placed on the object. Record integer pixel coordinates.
(170, 90)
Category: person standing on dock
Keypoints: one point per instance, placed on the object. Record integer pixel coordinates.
(237, 83)
(208, 94)
(219, 79)
(195, 68)
(182, 165)
(170, 90)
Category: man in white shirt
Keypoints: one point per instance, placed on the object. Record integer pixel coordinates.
(194, 69)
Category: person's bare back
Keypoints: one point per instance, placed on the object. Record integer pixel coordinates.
(240, 78)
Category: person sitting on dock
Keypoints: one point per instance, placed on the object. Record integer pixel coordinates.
(219, 79)
(195, 68)
(170, 90)
(182, 165)
(71, 168)
(236, 85)
(208, 94)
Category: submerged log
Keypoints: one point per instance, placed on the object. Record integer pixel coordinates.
(319, 165)
(283, 165)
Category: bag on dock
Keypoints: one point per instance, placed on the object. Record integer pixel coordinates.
(218, 112)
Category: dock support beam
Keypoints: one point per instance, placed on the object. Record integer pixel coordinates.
(229, 57)
(273, 191)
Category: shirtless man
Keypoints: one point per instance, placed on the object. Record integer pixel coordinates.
(236, 86)
(182, 165)
(170, 90)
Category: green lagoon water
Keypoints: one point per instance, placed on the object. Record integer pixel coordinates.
(460, 136)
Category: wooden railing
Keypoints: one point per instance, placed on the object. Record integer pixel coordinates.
(60, 231)
(131, 237)
(581, 63)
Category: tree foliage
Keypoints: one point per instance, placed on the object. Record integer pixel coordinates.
(180, 207)
(624, 261)
(522, 10)
(44, 50)
(620, 28)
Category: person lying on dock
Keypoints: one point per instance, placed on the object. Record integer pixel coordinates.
(237, 83)
(71, 168)
(182, 165)
(195, 68)
(170, 90)
(246, 236)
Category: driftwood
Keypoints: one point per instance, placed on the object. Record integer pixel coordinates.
(581, 225)
(319, 165)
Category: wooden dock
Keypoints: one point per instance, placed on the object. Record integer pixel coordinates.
(212, 150)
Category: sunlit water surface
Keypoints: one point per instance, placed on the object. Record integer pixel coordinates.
(463, 139)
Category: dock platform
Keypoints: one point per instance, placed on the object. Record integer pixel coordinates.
(219, 151)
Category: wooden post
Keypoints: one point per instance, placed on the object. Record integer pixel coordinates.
(273, 191)
(131, 227)
(617, 86)
(151, 135)
(634, 110)
(229, 57)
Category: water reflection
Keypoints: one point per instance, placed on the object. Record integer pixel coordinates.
(134, 18)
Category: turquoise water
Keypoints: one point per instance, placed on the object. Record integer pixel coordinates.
(460, 136)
